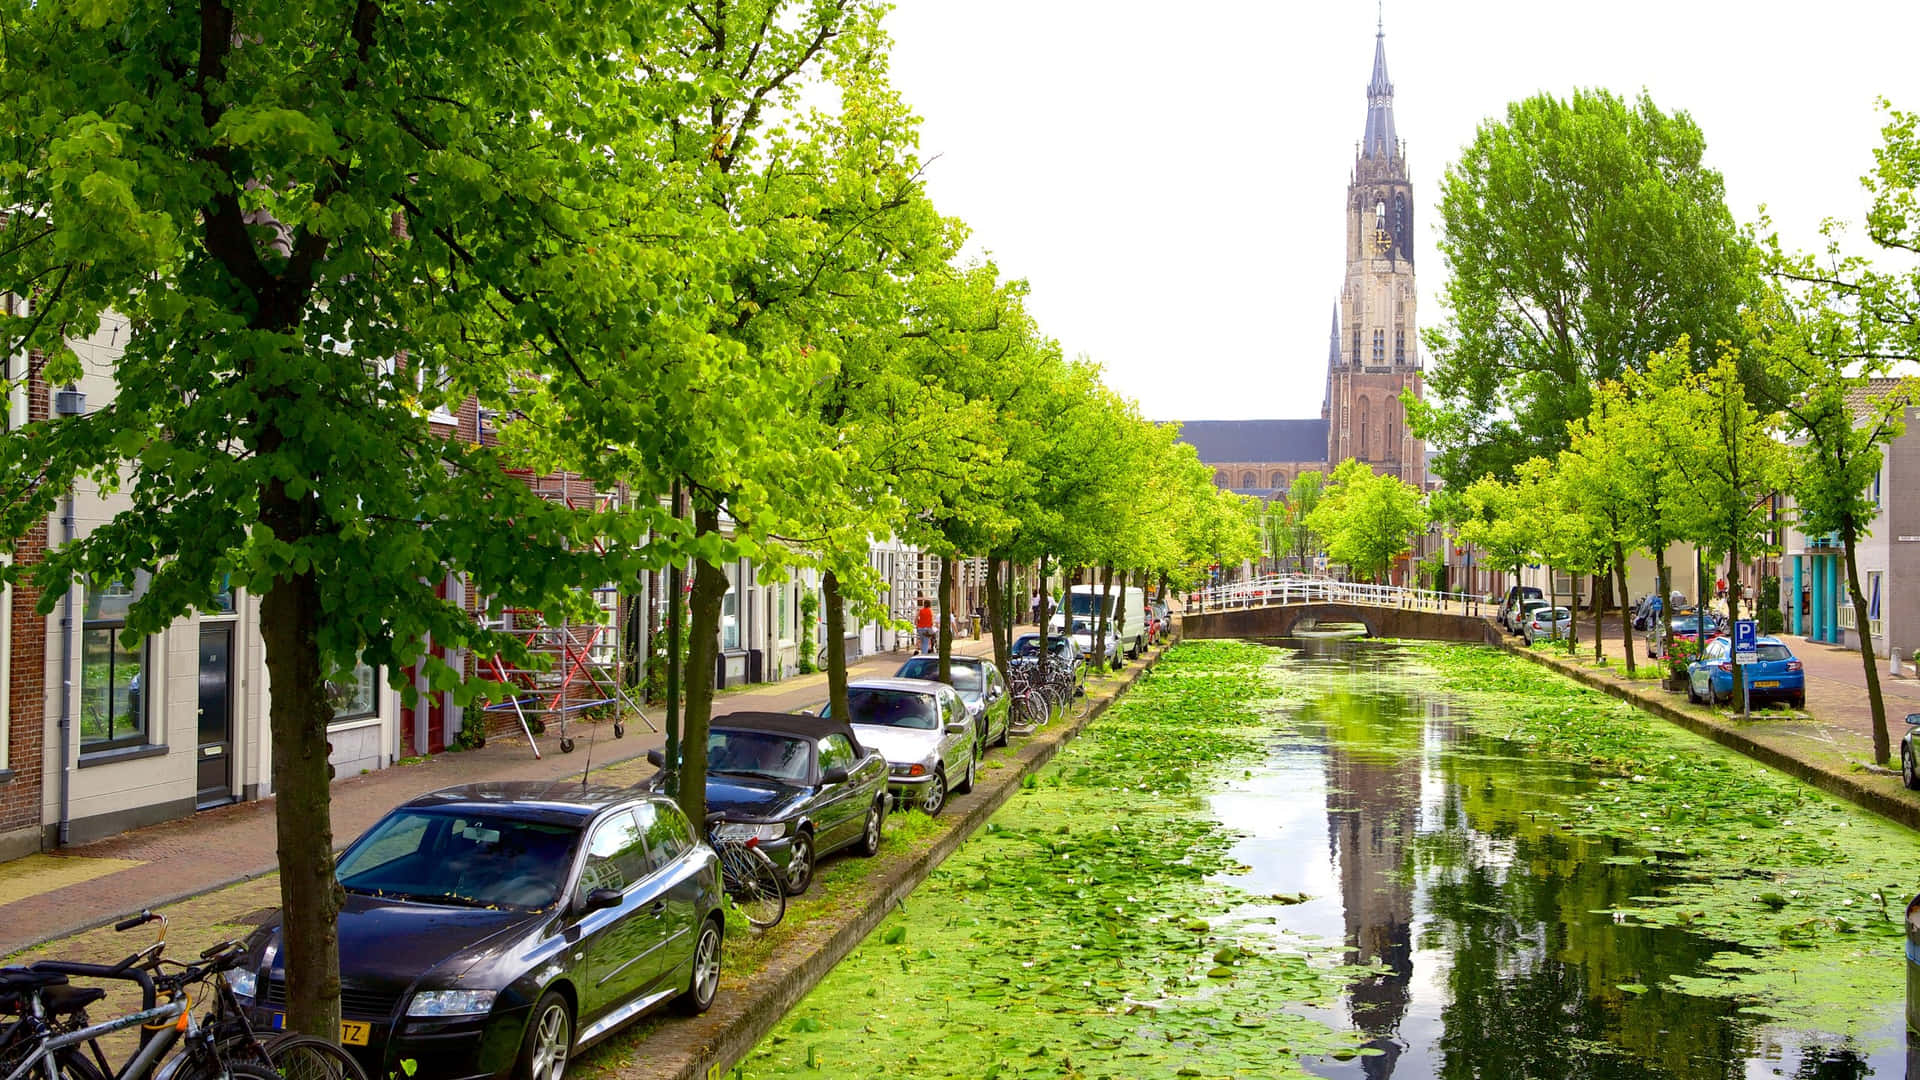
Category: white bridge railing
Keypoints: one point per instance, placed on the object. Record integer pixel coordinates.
(1275, 590)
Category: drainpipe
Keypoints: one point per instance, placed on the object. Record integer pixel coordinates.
(66, 403)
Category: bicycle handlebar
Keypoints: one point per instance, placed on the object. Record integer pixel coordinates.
(141, 919)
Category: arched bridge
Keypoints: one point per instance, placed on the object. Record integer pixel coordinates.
(1285, 606)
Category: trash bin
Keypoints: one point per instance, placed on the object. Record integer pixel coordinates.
(976, 626)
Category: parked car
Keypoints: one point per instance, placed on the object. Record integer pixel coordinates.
(499, 929)
(981, 686)
(803, 785)
(1691, 624)
(1547, 622)
(923, 731)
(1081, 619)
(1509, 613)
(1524, 610)
(1774, 674)
(1910, 766)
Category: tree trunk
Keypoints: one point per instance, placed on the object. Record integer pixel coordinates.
(997, 611)
(1597, 607)
(1553, 601)
(676, 683)
(1663, 581)
(1045, 617)
(836, 634)
(310, 896)
(703, 650)
(1626, 619)
(1882, 745)
(945, 637)
(1733, 615)
(1100, 616)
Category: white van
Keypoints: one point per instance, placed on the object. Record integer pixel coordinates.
(1083, 605)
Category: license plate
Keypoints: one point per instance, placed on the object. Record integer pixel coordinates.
(352, 1032)
(1766, 683)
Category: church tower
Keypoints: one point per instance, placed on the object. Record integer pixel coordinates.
(1378, 358)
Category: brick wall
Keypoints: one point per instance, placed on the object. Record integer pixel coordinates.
(20, 797)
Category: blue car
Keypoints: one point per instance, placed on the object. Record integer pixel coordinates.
(1775, 676)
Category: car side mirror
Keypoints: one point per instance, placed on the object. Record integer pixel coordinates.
(599, 900)
(835, 775)
(657, 759)
(957, 729)
(1913, 718)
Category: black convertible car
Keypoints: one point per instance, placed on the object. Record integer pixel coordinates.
(494, 930)
(802, 784)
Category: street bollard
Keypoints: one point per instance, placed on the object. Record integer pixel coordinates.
(1913, 968)
(1893, 664)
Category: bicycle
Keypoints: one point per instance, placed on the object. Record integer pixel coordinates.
(749, 876)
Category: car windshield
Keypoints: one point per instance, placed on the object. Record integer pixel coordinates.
(892, 708)
(1773, 652)
(1558, 614)
(764, 754)
(462, 859)
(965, 676)
(1084, 604)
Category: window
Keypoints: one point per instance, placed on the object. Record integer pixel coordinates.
(113, 708)
(1399, 346)
(1279, 480)
(355, 698)
(730, 614)
(1876, 487)
(1220, 478)
(836, 753)
(1249, 480)
(783, 594)
(1393, 442)
(1379, 346)
(616, 855)
(1365, 410)
(667, 832)
(1356, 346)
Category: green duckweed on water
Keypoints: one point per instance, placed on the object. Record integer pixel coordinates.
(1807, 892)
(1084, 931)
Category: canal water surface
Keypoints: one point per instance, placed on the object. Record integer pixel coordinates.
(1366, 859)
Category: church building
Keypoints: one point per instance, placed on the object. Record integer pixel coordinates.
(1373, 356)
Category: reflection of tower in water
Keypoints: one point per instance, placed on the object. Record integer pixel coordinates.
(1373, 808)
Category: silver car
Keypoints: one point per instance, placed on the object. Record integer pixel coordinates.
(1547, 622)
(923, 730)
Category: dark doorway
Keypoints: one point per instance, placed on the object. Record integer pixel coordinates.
(216, 714)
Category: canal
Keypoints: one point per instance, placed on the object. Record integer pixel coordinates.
(1369, 859)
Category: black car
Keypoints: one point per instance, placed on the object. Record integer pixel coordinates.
(801, 784)
(495, 930)
(1909, 762)
(981, 687)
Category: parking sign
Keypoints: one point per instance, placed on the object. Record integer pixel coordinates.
(1746, 641)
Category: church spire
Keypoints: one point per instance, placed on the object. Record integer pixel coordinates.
(1380, 141)
(1333, 339)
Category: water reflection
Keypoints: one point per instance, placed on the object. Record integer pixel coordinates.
(1487, 925)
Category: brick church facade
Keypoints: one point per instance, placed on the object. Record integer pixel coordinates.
(1373, 355)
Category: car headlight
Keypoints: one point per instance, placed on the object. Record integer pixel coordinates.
(242, 982)
(451, 1002)
(908, 770)
(741, 830)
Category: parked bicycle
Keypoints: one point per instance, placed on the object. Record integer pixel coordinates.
(749, 876)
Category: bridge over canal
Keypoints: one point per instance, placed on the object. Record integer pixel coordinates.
(1285, 606)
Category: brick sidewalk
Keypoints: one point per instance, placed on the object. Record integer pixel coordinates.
(48, 896)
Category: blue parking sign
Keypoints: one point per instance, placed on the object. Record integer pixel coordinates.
(1746, 641)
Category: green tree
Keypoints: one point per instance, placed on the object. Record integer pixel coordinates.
(1840, 412)
(1598, 477)
(1580, 235)
(1494, 520)
(1368, 519)
(1303, 497)
(278, 198)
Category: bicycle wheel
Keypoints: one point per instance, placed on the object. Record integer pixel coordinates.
(68, 1065)
(304, 1057)
(754, 885)
(232, 1070)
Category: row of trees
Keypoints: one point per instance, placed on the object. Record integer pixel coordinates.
(683, 248)
(1624, 367)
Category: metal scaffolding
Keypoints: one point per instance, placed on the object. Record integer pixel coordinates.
(571, 667)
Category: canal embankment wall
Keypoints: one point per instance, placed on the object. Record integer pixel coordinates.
(706, 1047)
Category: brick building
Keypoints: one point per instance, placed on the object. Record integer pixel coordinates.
(22, 645)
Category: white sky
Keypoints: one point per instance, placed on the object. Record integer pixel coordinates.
(1170, 177)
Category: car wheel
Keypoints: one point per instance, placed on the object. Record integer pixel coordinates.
(870, 832)
(799, 873)
(1909, 770)
(1799, 700)
(548, 1042)
(1693, 695)
(704, 983)
(935, 798)
(966, 782)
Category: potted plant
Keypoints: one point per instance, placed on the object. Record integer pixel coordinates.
(1680, 653)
